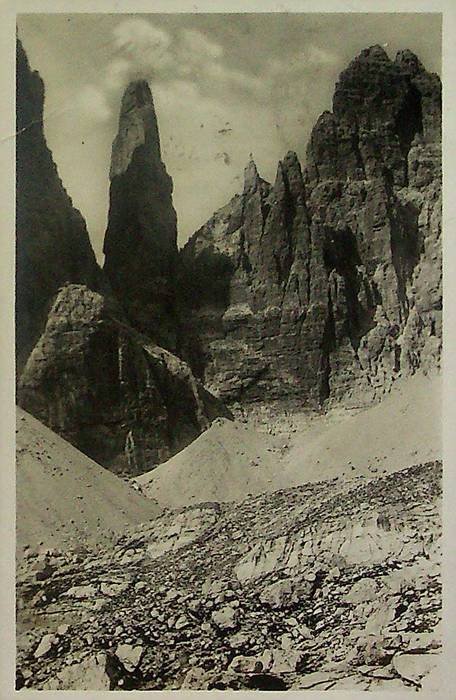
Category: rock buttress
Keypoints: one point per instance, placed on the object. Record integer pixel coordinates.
(111, 392)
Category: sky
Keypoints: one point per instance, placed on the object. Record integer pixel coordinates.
(225, 87)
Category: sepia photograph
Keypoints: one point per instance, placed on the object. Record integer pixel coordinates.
(228, 344)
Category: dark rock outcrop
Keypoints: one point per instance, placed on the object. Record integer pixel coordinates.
(109, 390)
(327, 284)
(140, 244)
(53, 245)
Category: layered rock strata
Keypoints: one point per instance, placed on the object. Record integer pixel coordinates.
(327, 284)
(140, 244)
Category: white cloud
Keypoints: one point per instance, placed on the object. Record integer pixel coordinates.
(225, 76)
(305, 63)
(117, 73)
(92, 103)
(144, 45)
(143, 50)
(199, 45)
(136, 34)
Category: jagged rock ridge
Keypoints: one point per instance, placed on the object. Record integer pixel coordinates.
(327, 284)
(140, 244)
(53, 245)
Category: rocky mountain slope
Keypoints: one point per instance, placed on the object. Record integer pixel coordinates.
(53, 245)
(331, 585)
(323, 286)
(141, 238)
(110, 391)
(327, 284)
(65, 500)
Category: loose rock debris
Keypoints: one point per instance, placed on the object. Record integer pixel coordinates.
(330, 585)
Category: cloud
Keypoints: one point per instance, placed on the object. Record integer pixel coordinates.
(116, 73)
(224, 76)
(304, 64)
(93, 104)
(199, 45)
(143, 50)
(192, 74)
(143, 44)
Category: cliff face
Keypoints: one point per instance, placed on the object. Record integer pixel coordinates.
(140, 244)
(53, 246)
(327, 284)
(125, 402)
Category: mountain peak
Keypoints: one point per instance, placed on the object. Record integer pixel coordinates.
(251, 176)
(137, 94)
(408, 61)
(140, 242)
(375, 52)
(137, 126)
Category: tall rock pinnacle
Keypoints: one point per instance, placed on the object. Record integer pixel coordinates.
(83, 371)
(141, 238)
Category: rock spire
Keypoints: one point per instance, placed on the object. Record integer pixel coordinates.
(141, 238)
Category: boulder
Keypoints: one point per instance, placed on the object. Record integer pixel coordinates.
(129, 656)
(226, 618)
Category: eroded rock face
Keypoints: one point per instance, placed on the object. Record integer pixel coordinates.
(53, 246)
(140, 244)
(109, 390)
(327, 284)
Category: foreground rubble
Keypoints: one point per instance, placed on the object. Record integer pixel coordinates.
(330, 585)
